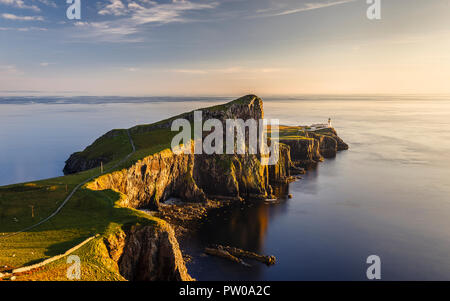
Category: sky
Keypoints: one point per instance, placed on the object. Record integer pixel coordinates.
(224, 47)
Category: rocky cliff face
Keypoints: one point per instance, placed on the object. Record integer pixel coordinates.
(77, 162)
(285, 167)
(147, 253)
(153, 179)
(329, 142)
(315, 146)
(233, 177)
(304, 151)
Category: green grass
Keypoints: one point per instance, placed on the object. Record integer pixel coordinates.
(95, 264)
(240, 101)
(292, 133)
(111, 146)
(86, 214)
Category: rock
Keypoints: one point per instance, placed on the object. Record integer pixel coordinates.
(234, 254)
(81, 161)
(153, 180)
(148, 253)
(222, 253)
(234, 177)
(77, 162)
(330, 143)
(304, 151)
(290, 196)
(280, 172)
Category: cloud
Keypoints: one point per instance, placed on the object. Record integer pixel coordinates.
(153, 12)
(48, 3)
(107, 31)
(9, 70)
(23, 28)
(45, 64)
(116, 8)
(130, 18)
(229, 70)
(169, 12)
(19, 4)
(189, 71)
(22, 18)
(273, 12)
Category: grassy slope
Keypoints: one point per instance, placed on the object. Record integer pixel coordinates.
(86, 214)
(114, 145)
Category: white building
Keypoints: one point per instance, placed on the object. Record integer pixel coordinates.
(319, 126)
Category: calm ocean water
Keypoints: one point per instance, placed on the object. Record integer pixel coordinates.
(389, 195)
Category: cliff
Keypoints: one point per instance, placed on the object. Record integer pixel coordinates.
(307, 148)
(156, 177)
(153, 179)
(147, 253)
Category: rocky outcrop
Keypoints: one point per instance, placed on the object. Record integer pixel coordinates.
(330, 143)
(304, 151)
(196, 178)
(147, 253)
(284, 169)
(232, 176)
(77, 162)
(236, 254)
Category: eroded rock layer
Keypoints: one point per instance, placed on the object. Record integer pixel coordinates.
(147, 253)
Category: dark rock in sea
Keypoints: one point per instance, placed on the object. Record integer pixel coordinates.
(236, 254)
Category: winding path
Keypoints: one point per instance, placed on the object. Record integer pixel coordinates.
(75, 190)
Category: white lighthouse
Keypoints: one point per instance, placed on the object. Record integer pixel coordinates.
(329, 122)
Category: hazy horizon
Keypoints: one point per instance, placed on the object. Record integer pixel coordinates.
(44, 98)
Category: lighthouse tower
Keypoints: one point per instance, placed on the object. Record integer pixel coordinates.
(329, 122)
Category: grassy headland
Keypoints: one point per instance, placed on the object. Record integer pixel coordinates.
(88, 212)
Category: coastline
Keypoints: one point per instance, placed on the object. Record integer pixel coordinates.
(133, 180)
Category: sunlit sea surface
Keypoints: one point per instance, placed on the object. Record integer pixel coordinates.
(388, 195)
